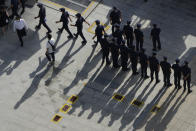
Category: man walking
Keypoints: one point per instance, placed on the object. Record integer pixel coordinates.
(79, 24)
(65, 20)
(20, 27)
(42, 16)
(50, 49)
(14, 7)
(98, 32)
(144, 64)
(134, 60)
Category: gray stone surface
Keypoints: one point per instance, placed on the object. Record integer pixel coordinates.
(31, 92)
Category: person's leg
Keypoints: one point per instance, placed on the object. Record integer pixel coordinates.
(48, 56)
(82, 36)
(53, 56)
(141, 44)
(159, 43)
(189, 86)
(137, 44)
(151, 74)
(39, 25)
(176, 81)
(113, 28)
(142, 71)
(157, 76)
(46, 26)
(20, 37)
(165, 79)
(23, 8)
(68, 31)
(184, 85)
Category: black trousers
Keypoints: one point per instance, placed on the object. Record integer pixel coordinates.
(129, 41)
(152, 72)
(66, 27)
(105, 56)
(49, 55)
(139, 44)
(19, 33)
(188, 84)
(177, 80)
(80, 33)
(166, 78)
(42, 22)
(144, 70)
(124, 62)
(23, 8)
(14, 12)
(156, 41)
(115, 59)
(134, 67)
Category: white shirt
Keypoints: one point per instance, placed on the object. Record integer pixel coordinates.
(48, 46)
(19, 25)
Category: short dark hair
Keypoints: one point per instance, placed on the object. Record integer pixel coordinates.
(49, 36)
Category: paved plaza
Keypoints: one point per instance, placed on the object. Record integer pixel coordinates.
(33, 93)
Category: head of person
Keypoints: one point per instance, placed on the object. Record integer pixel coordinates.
(115, 9)
(49, 36)
(62, 10)
(97, 22)
(155, 25)
(165, 58)
(128, 22)
(18, 17)
(78, 15)
(186, 63)
(177, 61)
(138, 26)
(39, 5)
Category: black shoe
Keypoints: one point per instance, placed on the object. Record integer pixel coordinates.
(135, 73)
(179, 87)
(37, 27)
(108, 63)
(146, 77)
(157, 81)
(154, 49)
(116, 66)
(70, 36)
(75, 35)
(84, 42)
(168, 85)
(184, 90)
(190, 91)
(60, 31)
(125, 69)
(48, 32)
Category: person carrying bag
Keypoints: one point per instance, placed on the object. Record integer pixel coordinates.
(20, 27)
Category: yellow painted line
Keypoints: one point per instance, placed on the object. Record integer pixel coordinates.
(65, 108)
(70, 100)
(142, 103)
(60, 6)
(106, 27)
(57, 118)
(113, 97)
(90, 5)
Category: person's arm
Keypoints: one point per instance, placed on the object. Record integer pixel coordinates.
(70, 18)
(86, 22)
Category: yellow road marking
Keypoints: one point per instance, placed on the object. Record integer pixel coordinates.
(57, 118)
(135, 100)
(114, 97)
(65, 108)
(90, 5)
(60, 6)
(72, 99)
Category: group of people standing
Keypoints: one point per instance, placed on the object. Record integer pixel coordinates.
(121, 46)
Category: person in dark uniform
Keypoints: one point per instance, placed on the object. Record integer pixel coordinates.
(166, 68)
(118, 35)
(128, 32)
(154, 67)
(139, 37)
(65, 20)
(124, 51)
(186, 72)
(115, 18)
(79, 25)
(155, 32)
(144, 63)
(105, 47)
(14, 7)
(134, 60)
(98, 32)
(23, 6)
(42, 16)
(115, 54)
(177, 74)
